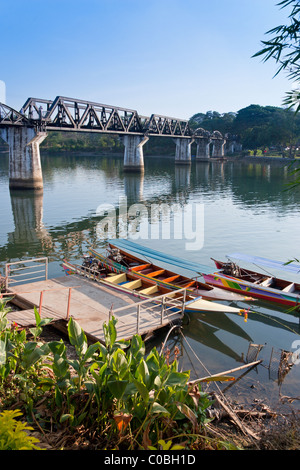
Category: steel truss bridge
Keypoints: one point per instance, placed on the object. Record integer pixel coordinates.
(68, 114)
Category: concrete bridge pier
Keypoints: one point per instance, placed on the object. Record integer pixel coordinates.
(202, 149)
(25, 171)
(133, 153)
(183, 155)
(218, 148)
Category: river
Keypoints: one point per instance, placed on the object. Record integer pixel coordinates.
(226, 207)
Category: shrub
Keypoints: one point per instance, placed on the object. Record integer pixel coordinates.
(13, 433)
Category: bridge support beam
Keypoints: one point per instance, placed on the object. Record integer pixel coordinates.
(183, 155)
(25, 171)
(133, 153)
(202, 149)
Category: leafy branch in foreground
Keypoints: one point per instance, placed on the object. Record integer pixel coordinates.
(284, 48)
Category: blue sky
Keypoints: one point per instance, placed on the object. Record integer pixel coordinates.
(170, 57)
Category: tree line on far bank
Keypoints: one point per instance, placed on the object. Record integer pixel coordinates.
(256, 127)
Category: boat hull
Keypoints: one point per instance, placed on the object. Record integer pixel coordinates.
(239, 286)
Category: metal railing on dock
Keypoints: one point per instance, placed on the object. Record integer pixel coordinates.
(155, 309)
(21, 272)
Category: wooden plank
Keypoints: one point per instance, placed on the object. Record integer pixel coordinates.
(21, 317)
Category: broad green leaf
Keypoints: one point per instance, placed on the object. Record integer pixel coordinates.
(31, 356)
(177, 379)
(137, 348)
(91, 351)
(77, 336)
(143, 372)
(45, 321)
(118, 363)
(57, 347)
(117, 387)
(157, 408)
(60, 366)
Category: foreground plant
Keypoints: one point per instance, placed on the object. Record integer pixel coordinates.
(115, 389)
(112, 392)
(21, 361)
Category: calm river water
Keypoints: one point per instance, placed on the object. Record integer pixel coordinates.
(226, 207)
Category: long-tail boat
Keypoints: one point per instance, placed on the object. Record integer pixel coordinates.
(148, 289)
(120, 260)
(234, 278)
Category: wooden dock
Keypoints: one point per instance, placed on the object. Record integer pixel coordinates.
(91, 304)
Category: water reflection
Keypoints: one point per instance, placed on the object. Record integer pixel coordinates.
(204, 328)
(134, 187)
(29, 229)
(73, 182)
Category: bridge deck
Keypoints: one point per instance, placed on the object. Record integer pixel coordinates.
(90, 305)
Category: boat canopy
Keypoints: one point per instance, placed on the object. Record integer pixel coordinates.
(163, 257)
(257, 260)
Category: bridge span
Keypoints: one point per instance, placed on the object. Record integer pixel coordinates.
(24, 131)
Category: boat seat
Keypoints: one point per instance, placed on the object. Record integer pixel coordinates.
(149, 290)
(289, 288)
(156, 273)
(117, 279)
(133, 284)
(267, 282)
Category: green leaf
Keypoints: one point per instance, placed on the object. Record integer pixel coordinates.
(118, 363)
(60, 366)
(57, 347)
(36, 331)
(91, 351)
(3, 352)
(110, 333)
(77, 336)
(65, 417)
(32, 354)
(142, 389)
(37, 316)
(117, 387)
(157, 408)
(45, 321)
(157, 382)
(143, 372)
(75, 364)
(177, 379)
(137, 348)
